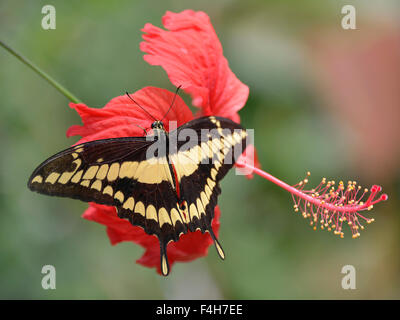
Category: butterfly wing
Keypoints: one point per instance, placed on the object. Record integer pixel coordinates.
(201, 163)
(117, 172)
(89, 171)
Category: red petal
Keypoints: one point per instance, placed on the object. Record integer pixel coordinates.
(120, 117)
(192, 56)
(189, 247)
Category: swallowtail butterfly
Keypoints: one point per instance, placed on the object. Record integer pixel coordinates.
(168, 194)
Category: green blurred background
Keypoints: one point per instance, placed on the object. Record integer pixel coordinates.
(322, 99)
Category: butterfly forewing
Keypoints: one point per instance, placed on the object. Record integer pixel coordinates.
(89, 171)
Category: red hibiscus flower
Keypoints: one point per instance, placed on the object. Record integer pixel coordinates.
(191, 54)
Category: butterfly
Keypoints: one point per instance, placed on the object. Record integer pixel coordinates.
(169, 187)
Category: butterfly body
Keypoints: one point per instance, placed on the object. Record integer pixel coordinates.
(167, 183)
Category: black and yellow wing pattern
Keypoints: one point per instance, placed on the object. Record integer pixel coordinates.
(167, 195)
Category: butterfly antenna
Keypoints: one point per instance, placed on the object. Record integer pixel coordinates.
(172, 103)
(140, 106)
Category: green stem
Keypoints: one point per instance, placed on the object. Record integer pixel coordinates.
(41, 73)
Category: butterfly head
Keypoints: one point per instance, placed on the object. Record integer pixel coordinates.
(157, 125)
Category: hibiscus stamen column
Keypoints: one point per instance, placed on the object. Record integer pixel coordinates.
(328, 205)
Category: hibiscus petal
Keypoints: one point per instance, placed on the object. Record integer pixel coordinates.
(121, 116)
(189, 247)
(191, 54)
